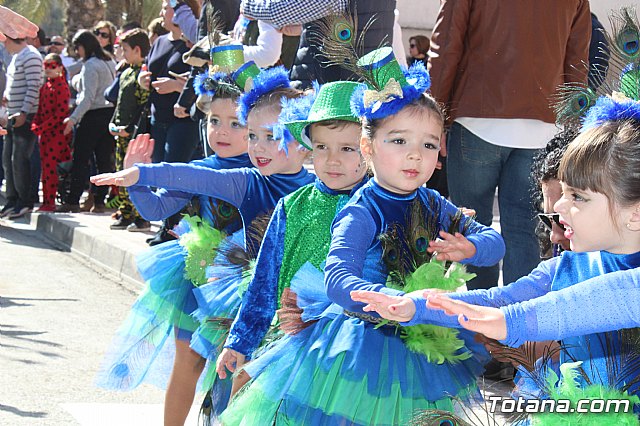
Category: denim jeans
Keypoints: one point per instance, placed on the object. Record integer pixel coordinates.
(475, 168)
(175, 142)
(19, 145)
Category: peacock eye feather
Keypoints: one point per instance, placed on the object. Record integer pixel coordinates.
(628, 41)
(225, 210)
(421, 244)
(343, 32)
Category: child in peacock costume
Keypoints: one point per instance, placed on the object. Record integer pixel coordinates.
(143, 349)
(592, 364)
(342, 365)
(297, 240)
(164, 311)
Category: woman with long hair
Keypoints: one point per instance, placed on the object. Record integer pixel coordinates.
(90, 119)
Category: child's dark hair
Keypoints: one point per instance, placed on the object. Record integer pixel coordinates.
(137, 38)
(53, 57)
(606, 159)
(424, 103)
(90, 44)
(546, 163)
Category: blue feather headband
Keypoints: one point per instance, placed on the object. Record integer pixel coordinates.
(295, 109)
(609, 108)
(206, 84)
(418, 80)
(264, 83)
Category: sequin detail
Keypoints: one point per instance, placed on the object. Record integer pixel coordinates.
(310, 213)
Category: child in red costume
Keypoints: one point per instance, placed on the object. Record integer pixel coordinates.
(53, 108)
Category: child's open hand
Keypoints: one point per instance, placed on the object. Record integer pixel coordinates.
(228, 360)
(139, 151)
(395, 308)
(452, 247)
(126, 177)
(481, 319)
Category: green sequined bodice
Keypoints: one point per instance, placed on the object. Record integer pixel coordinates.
(310, 213)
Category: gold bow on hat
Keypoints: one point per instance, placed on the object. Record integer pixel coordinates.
(390, 91)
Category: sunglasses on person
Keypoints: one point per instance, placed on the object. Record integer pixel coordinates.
(104, 35)
(412, 45)
(51, 65)
(56, 43)
(548, 219)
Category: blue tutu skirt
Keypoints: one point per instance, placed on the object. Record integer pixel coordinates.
(143, 349)
(344, 370)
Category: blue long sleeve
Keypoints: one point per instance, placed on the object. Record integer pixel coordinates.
(352, 233)
(536, 284)
(160, 204)
(604, 303)
(227, 185)
(259, 302)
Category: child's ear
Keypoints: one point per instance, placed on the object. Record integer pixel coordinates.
(366, 147)
(634, 222)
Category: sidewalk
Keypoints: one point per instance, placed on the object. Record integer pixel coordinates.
(88, 235)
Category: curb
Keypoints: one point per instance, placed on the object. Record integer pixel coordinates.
(89, 237)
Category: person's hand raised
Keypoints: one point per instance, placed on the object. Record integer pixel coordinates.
(139, 151)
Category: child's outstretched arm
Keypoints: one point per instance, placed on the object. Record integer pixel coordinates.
(352, 233)
(152, 205)
(126, 177)
(228, 185)
(604, 303)
(260, 301)
(536, 284)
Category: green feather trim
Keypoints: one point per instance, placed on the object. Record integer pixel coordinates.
(438, 344)
(568, 388)
(201, 243)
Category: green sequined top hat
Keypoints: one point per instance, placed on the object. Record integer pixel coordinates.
(227, 58)
(383, 66)
(331, 103)
(224, 60)
(387, 87)
(243, 76)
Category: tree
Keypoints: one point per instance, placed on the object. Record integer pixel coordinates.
(83, 14)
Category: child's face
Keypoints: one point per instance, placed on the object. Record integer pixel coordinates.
(131, 55)
(226, 136)
(52, 69)
(404, 151)
(263, 148)
(587, 218)
(336, 155)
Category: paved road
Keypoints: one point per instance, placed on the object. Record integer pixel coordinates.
(57, 316)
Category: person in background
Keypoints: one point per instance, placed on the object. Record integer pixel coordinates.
(105, 31)
(59, 46)
(155, 30)
(24, 78)
(91, 120)
(418, 49)
(40, 42)
(130, 103)
(48, 124)
(176, 139)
